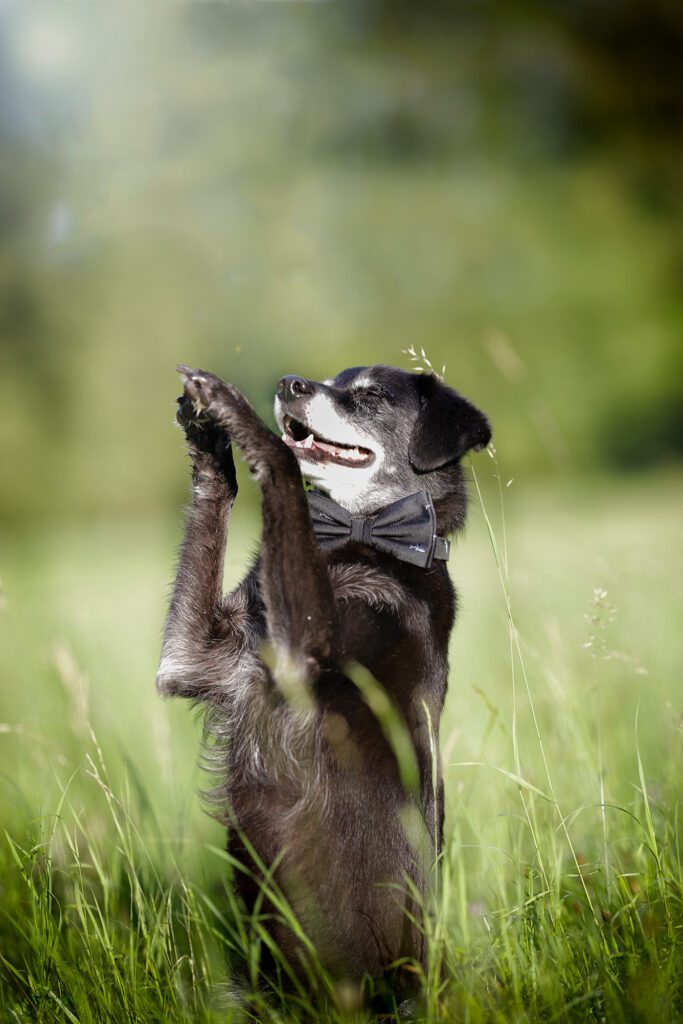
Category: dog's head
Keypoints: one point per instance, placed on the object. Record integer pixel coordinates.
(374, 434)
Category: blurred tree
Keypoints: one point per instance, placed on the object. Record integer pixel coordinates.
(272, 188)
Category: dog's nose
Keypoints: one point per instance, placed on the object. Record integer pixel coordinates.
(292, 386)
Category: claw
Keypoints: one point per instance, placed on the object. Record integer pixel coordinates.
(185, 371)
(193, 381)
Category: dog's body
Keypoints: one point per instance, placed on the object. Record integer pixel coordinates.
(309, 778)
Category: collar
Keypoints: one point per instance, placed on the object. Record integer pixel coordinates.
(405, 529)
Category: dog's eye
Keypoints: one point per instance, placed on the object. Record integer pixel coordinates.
(372, 392)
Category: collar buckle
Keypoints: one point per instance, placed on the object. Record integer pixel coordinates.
(442, 548)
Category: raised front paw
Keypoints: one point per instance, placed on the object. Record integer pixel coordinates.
(208, 406)
(207, 438)
(210, 403)
(207, 398)
(203, 434)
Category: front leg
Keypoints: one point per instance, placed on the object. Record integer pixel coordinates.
(296, 588)
(193, 616)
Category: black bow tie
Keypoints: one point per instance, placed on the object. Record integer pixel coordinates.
(405, 529)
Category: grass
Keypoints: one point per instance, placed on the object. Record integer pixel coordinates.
(562, 877)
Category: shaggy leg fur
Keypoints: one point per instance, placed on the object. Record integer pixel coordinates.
(300, 611)
(192, 624)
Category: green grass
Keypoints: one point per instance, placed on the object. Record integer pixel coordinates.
(562, 878)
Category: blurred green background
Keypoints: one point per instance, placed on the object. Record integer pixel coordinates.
(264, 188)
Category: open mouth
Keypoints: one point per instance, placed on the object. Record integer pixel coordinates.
(309, 446)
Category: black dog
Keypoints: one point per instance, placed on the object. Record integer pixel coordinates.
(355, 574)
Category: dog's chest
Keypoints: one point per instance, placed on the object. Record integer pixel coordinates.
(377, 613)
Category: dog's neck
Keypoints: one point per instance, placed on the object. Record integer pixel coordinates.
(451, 512)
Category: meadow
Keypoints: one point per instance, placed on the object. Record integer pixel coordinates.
(562, 881)
(261, 189)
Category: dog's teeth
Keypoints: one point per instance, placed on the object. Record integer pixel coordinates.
(350, 454)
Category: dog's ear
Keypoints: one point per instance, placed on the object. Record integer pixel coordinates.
(447, 426)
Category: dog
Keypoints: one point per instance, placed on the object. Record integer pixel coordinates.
(343, 621)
